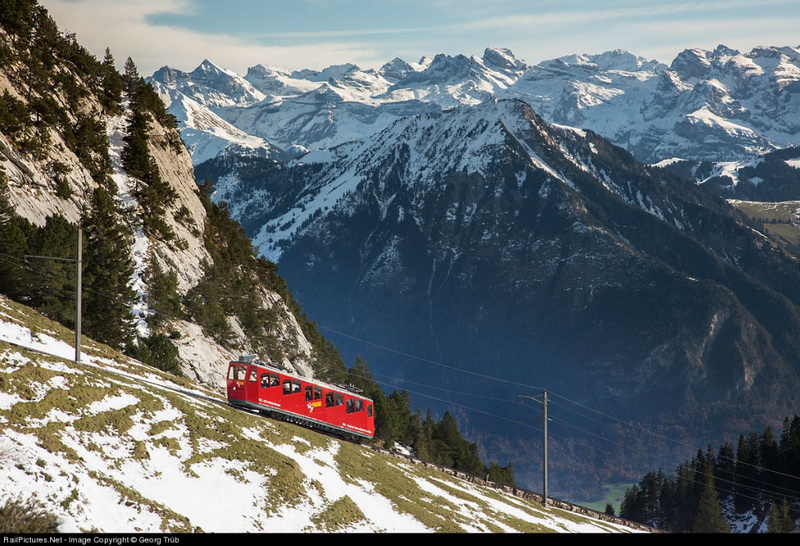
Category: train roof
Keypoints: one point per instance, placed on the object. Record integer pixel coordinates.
(282, 371)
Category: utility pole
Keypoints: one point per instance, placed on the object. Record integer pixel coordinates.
(544, 447)
(78, 287)
(544, 443)
(78, 293)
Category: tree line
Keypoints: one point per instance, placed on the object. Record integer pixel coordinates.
(759, 476)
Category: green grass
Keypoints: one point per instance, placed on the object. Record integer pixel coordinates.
(780, 219)
(612, 493)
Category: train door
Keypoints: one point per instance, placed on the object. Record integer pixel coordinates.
(237, 376)
(251, 384)
(292, 398)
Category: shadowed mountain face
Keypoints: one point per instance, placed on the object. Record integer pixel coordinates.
(484, 240)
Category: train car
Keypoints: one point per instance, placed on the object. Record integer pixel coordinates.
(278, 393)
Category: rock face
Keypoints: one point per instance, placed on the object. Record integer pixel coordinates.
(48, 174)
(485, 240)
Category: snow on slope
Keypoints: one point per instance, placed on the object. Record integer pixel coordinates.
(114, 446)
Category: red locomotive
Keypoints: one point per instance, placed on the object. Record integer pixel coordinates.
(280, 394)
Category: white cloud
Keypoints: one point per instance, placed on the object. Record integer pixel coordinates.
(124, 27)
(533, 31)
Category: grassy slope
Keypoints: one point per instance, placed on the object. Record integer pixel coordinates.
(114, 446)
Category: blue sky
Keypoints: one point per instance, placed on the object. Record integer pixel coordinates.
(237, 34)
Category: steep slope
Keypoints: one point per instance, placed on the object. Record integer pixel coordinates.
(113, 446)
(483, 239)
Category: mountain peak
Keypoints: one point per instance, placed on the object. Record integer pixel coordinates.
(502, 58)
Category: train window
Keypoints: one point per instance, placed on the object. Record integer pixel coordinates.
(237, 372)
(329, 399)
(309, 393)
(253, 375)
(339, 397)
(264, 380)
(359, 405)
(291, 386)
(369, 410)
(351, 405)
(317, 393)
(274, 380)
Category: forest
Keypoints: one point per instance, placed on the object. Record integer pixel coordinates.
(759, 478)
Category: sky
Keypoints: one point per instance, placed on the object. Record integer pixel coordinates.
(296, 34)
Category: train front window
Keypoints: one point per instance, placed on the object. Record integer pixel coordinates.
(237, 373)
(369, 410)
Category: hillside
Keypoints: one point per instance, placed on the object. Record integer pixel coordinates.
(111, 445)
(82, 144)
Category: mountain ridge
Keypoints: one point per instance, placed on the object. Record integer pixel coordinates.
(705, 105)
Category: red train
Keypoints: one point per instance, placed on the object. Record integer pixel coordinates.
(277, 393)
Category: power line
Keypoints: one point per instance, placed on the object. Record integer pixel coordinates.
(565, 405)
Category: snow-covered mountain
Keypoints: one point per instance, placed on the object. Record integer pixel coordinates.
(306, 109)
(706, 105)
(483, 238)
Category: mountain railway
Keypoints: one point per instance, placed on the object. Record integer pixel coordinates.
(512, 490)
(277, 393)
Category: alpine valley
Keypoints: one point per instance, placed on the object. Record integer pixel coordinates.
(459, 220)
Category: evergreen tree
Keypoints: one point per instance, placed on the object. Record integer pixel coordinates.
(158, 351)
(779, 519)
(130, 78)
(111, 84)
(13, 246)
(709, 511)
(51, 283)
(108, 272)
(162, 296)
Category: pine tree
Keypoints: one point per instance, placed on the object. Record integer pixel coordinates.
(162, 297)
(779, 519)
(709, 511)
(130, 78)
(111, 84)
(51, 286)
(13, 246)
(108, 271)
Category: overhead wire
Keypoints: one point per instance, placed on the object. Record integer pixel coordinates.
(595, 413)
